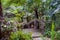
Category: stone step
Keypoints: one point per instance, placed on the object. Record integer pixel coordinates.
(40, 38)
(37, 38)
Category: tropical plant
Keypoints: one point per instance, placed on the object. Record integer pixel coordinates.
(57, 36)
(52, 31)
(19, 35)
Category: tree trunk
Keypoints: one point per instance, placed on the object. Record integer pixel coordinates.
(1, 14)
(1, 17)
(36, 24)
(36, 12)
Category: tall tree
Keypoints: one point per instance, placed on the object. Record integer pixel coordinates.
(1, 14)
(1, 17)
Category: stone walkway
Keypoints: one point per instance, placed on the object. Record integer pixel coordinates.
(41, 39)
(35, 34)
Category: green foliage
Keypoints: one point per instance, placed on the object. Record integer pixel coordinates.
(52, 31)
(19, 15)
(7, 3)
(57, 36)
(57, 21)
(47, 33)
(29, 6)
(47, 29)
(19, 35)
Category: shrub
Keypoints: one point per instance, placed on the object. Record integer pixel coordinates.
(19, 35)
(52, 31)
(57, 36)
(47, 30)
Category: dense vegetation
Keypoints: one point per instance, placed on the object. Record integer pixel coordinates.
(42, 15)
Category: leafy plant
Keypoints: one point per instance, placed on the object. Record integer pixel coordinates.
(47, 30)
(52, 31)
(57, 36)
(47, 33)
(19, 35)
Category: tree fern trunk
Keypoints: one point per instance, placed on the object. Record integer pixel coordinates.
(36, 12)
(36, 24)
